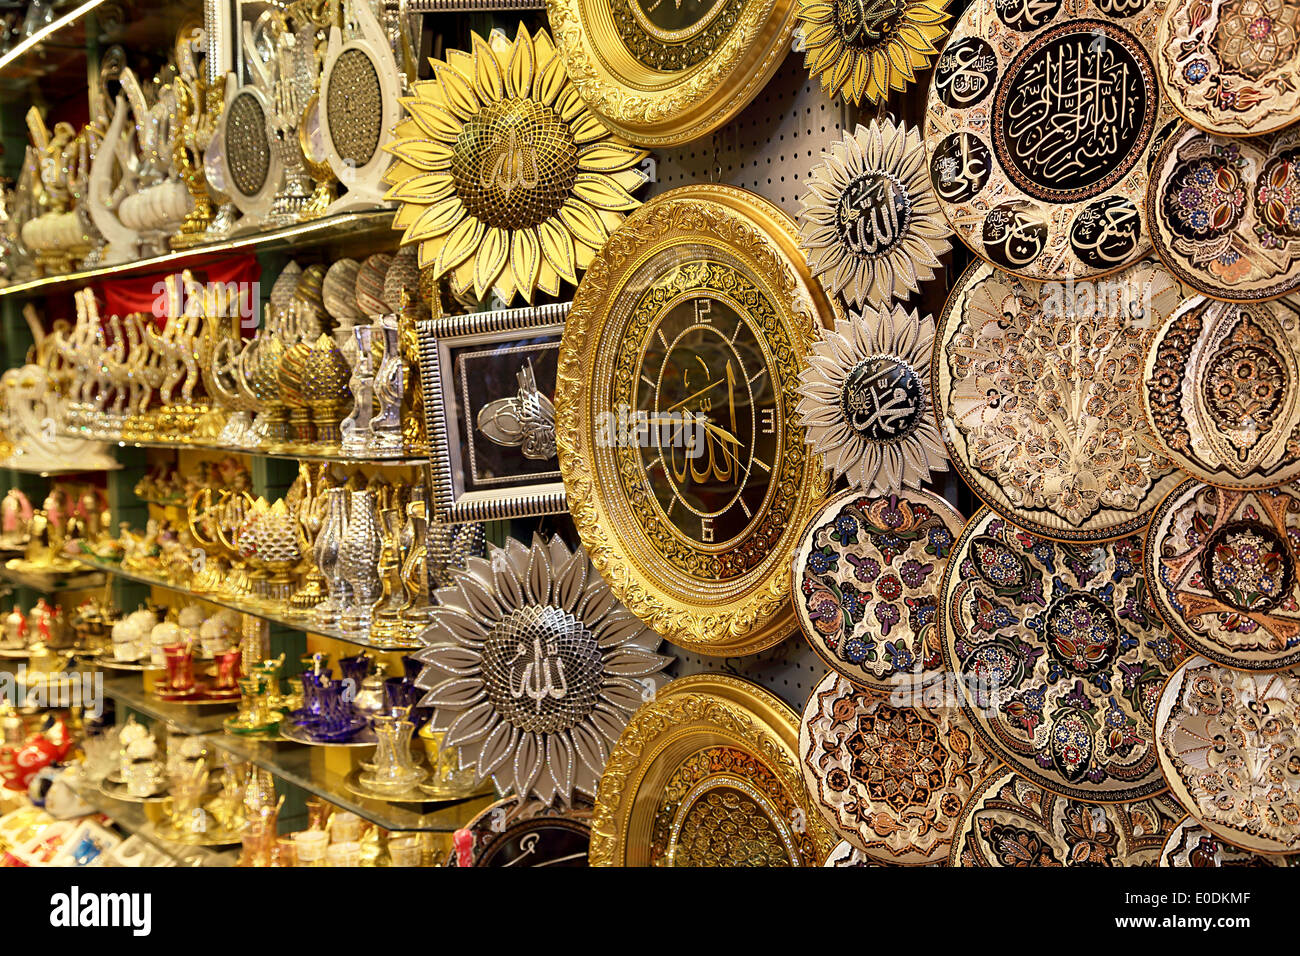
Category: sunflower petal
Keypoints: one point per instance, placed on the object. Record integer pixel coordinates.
(491, 259)
(487, 71)
(460, 245)
(609, 157)
(525, 260)
(457, 92)
(437, 122)
(557, 249)
(423, 154)
(519, 78)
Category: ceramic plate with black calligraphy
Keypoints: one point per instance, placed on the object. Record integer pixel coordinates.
(1040, 122)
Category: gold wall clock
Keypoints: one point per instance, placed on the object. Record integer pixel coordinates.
(1225, 213)
(1221, 390)
(1229, 745)
(1036, 389)
(1222, 569)
(663, 72)
(1059, 656)
(1040, 121)
(1012, 822)
(891, 778)
(686, 473)
(707, 774)
(1231, 66)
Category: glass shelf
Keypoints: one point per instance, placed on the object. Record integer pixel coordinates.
(294, 622)
(53, 580)
(352, 227)
(318, 770)
(287, 454)
(47, 471)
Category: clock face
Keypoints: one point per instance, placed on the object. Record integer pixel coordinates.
(674, 411)
(677, 18)
(704, 389)
(670, 36)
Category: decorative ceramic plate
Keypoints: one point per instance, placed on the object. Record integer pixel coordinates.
(1229, 745)
(686, 472)
(1225, 213)
(1231, 66)
(1011, 822)
(1222, 569)
(530, 834)
(846, 854)
(707, 774)
(865, 578)
(890, 778)
(1040, 121)
(1190, 844)
(667, 73)
(1221, 391)
(1059, 656)
(1036, 394)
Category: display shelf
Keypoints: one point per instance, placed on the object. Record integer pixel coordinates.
(56, 471)
(53, 580)
(354, 227)
(294, 622)
(286, 454)
(311, 769)
(196, 719)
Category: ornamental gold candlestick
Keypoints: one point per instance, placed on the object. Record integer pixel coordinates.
(309, 520)
(190, 88)
(387, 613)
(325, 389)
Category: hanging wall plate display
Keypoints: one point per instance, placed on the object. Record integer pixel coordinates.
(1231, 66)
(1229, 745)
(707, 774)
(891, 779)
(360, 90)
(1040, 121)
(250, 168)
(1225, 213)
(686, 474)
(865, 400)
(864, 51)
(870, 222)
(1191, 845)
(524, 833)
(532, 668)
(1221, 390)
(1222, 569)
(667, 73)
(506, 180)
(1011, 822)
(1060, 657)
(865, 578)
(1036, 389)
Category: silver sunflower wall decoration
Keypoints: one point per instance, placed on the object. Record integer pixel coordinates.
(870, 222)
(866, 400)
(534, 667)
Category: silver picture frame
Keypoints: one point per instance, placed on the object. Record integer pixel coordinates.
(512, 354)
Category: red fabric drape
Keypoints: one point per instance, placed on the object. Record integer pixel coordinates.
(146, 293)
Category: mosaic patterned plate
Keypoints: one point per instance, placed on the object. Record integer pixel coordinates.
(1225, 213)
(1221, 391)
(707, 774)
(1036, 392)
(1231, 66)
(1222, 569)
(1059, 656)
(1011, 822)
(1229, 745)
(865, 578)
(1191, 845)
(1040, 122)
(891, 779)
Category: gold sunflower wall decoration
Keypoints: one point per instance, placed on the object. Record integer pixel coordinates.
(862, 49)
(505, 179)
(870, 221)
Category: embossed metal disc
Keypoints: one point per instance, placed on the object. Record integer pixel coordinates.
(1059, 656)
(248, 152)
(1190, 844)
(889, 777)
(865, 577)
(1036, 390)
(1231, 66)
(1225, 213)
(666, 73)
(1221, 565)
(706, 774)
(355, 117)
(1229, 745)
(1012, 822)
(1221, 391)
(1040, 121)
(686, 472)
